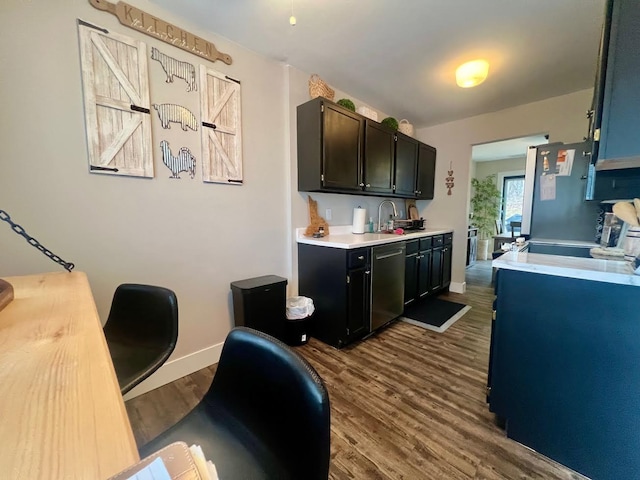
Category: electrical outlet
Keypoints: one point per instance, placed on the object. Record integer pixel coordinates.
(327, 214)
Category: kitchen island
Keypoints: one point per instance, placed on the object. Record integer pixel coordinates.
(564, 369)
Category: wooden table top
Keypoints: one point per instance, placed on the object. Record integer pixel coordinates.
(62, 414)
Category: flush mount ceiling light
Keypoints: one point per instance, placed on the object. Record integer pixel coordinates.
(472, 73)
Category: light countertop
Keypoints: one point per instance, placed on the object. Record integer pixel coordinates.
(341, 237)
(608, 271)
(564, 243)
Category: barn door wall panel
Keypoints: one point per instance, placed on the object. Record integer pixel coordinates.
(220, 109)
(115, 78)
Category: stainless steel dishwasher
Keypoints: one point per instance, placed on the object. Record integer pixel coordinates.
(387, 283)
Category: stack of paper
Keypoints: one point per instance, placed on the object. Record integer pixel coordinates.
(175, 461)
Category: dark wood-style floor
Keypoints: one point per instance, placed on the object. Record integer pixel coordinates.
(406, 403)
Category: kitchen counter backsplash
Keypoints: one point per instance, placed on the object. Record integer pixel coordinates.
(341, 237)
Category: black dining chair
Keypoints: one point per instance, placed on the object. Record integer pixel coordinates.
(266, 414)
(141, 331)
(515, 226)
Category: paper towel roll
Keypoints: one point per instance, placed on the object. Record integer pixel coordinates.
(359, 215)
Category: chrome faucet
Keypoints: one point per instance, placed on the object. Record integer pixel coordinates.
(395, 212)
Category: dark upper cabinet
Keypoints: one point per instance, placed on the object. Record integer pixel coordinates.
(615, 128)
(426, 172)
(379, 146)
(406, 166)
(330, 142)
(620, 129)
(340, 151)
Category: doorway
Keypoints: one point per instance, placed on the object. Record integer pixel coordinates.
(506, 161)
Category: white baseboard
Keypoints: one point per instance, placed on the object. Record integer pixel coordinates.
(178, 368)
(458, 287)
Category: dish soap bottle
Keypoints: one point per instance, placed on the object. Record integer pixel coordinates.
(370, 226)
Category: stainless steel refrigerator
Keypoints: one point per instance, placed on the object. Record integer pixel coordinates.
(555, 191)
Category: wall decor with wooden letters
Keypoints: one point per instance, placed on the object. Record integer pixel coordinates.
(116, 102)
(220, 111)
(148, 24)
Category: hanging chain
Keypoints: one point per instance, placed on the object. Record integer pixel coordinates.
(4, 216)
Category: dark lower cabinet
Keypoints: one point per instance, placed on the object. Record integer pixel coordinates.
(339, 282)
(436, 270)
(441, 262)
(411, 272)
(446, 266)
(427, 266)
(358, 288)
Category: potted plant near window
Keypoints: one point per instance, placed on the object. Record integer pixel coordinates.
(485, 204)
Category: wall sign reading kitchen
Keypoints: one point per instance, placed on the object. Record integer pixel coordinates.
(144, 22)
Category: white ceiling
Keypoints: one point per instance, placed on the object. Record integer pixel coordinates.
(400, 57)
(514, 148)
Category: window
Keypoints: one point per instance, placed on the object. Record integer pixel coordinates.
(512, 201)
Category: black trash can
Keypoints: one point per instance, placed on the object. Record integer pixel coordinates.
(296, 331)
(298, 323)
(259, 303)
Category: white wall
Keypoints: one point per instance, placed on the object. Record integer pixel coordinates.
(563, 118)
(192, 237)
(494, 167)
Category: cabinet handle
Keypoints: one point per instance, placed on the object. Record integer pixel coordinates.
(362, 184)
(367, 272)
(361, 257)
(368, 185)
(419, 192)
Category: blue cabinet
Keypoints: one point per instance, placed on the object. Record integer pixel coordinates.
(620, 129)
(564, 370)
(615, 128)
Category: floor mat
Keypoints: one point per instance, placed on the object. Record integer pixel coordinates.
(434, 314)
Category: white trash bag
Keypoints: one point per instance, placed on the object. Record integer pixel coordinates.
(299, 307)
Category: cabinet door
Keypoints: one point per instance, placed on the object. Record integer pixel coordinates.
(411, 278)
(378, 158)
(426, 171)
(436, 269)
(424, 272)
(342, 149)
(621, 110)
(358, 322)
(446, 266)
(406, 166)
